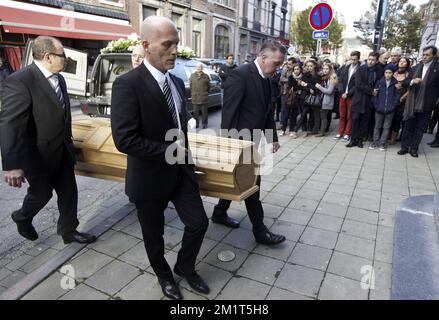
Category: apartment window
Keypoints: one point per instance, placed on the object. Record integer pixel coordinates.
(284, 21)
(229, 3)
(196, 36)
(178, 20)
(148, 11)
(257, 10)
(254, 49)
(273, 17)
(222, 47)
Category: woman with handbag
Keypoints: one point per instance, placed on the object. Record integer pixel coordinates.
(327, 87)
(292, 100)
(310, 98)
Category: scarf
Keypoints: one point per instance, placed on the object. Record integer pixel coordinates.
(415, 102)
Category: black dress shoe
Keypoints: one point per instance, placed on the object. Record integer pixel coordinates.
(269, 238)
(414, 154)
(403, 152)
(434, 145)
(351, 144)
(27, 230)
(195, 281)
(360, 144)
(79, 237)
(170, 289)
(226, 220)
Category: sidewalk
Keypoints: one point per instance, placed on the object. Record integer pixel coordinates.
(335, 205)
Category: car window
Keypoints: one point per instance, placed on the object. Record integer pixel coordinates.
(112, 67)
(180, 72)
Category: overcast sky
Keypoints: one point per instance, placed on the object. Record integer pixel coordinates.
(351, 9)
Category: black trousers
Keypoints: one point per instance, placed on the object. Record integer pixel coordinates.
(39, 193)
(254, 210)
(357, 129)
(414, 130)
(304, 122)
(292, 113)
(187, 201)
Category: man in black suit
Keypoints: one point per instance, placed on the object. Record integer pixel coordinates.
(148, 106)
(423, 83)
(36, 140)
(365, 79)
(248, 106)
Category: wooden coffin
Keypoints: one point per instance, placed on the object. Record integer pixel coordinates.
(223, 166)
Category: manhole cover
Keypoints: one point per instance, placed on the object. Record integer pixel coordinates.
(226, 255)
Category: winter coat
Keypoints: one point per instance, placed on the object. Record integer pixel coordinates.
(327, 88)
(363, 93)
(200, 86)
(388, 97)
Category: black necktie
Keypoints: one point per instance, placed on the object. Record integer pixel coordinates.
(58, 90)
(170, 101)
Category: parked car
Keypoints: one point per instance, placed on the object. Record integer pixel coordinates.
(93, 88)
(109, 66)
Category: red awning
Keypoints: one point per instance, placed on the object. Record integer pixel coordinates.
(58, 23)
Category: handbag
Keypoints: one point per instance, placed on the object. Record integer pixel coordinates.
(314, 100)
(290, 97)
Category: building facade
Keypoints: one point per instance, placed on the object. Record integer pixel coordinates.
(85, 25)
(430, 30)
(259, 20)
(215, 28)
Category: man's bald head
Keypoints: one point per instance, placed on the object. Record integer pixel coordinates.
(160, 40)
(154, 25)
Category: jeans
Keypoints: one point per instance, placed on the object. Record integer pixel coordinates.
(384, 122)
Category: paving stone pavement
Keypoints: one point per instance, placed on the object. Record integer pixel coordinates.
(335, 205)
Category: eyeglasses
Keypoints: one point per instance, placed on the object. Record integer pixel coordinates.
(61, 55)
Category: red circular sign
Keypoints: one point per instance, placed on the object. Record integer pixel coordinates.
(320, 16)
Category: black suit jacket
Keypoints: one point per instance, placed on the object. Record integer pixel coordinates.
(432, 90)
(346, 82)
(363, 92)
(244, 104)
(34, 128)
(140, 119)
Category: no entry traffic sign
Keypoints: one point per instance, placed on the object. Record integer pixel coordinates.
(320, 16)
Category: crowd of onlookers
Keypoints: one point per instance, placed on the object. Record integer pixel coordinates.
(383, 99)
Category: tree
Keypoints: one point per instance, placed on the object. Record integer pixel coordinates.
(301, 33)
(405, 30)
(367, 25)
(392, 32)
(402, 25)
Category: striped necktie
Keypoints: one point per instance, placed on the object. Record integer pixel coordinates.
(170, 102)
(58, 90)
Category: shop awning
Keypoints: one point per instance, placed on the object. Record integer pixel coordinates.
(41, 20)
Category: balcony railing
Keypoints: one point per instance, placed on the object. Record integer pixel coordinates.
(257, 26)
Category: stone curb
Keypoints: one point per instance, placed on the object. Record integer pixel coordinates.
(30, 281)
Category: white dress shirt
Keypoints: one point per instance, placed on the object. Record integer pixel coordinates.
(425, 69)
(160, 78)
(48, 75)
(352, 70)
(259, 69)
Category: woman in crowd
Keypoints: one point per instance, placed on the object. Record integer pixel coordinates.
(400, 75)
(293, 100)
(309, 79)
(327, 87)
